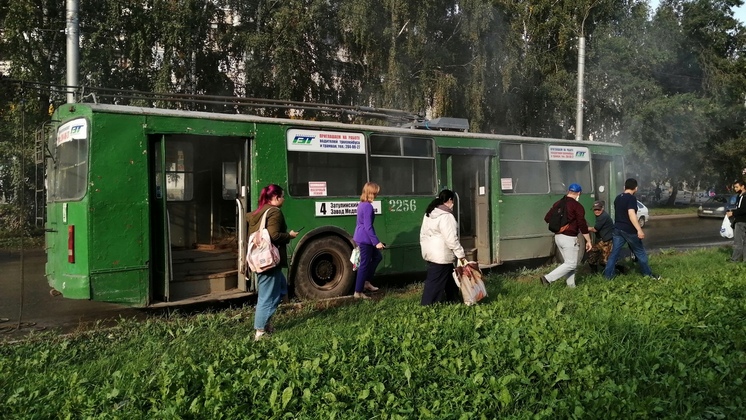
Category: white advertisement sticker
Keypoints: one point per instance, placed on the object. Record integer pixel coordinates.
(72, 130)
(575, 153)
(302, 140)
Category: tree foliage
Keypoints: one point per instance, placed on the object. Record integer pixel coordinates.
(667, 83)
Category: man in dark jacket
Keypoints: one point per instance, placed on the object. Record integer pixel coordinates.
(738, 217)
(567, 239)
(604, 229)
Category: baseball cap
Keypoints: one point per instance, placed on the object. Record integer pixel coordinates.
(575, 188)
(598, 205)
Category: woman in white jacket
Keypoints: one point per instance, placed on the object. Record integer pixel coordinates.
(440, 248)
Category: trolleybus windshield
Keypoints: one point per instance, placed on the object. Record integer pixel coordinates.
(70, 166)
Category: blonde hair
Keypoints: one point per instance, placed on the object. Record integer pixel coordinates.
(370, 190)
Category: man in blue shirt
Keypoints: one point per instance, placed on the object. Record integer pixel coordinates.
(627, 230)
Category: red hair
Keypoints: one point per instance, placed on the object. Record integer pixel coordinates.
(268, 193)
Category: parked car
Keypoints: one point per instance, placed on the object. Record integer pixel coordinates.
(717, 205)
(643, 214)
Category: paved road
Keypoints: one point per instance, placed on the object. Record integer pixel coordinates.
(683, 232)
(26, 272)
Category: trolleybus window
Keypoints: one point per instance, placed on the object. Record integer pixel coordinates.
(71, 168)
(403, 165)
(336, 159)
(567, 165)
(523, 168)
(179, 171)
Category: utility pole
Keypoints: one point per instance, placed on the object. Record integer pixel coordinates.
(581, 73)
(72, 33)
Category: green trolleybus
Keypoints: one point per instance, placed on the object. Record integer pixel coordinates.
(147, 207)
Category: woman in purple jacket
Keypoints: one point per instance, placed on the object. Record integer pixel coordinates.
(365, 236)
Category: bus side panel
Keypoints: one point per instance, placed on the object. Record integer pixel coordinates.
(523, 232)
(112, 280)
(69, 278)
(401, 234)
(129, 287)
(119, 216)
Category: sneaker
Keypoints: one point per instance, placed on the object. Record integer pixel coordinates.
(544, 281)
(655, 277)
(260, 335)
(360, 295)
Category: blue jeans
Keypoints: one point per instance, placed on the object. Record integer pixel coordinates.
(370, 257)
(635, 244)
(271, 285)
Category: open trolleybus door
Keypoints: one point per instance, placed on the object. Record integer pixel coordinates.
(199, 199)
(603, 182)
(466, 172)
(161, 259)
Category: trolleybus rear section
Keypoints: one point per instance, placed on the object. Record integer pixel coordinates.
(146, 207)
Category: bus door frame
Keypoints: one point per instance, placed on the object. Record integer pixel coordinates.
(242, 207)
(480, 204)
(162, 259)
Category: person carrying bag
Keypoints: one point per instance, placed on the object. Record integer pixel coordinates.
(440, 248)
(268, 222)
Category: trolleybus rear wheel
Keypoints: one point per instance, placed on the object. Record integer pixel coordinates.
(324, 269)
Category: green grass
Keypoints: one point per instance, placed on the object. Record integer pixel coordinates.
(667, 211)
(629, 348)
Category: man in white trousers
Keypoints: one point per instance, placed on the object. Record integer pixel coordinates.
(567, 238)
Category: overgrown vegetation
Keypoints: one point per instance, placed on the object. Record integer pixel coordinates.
(629, 348)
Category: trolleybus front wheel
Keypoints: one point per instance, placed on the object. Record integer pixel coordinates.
(324, 269)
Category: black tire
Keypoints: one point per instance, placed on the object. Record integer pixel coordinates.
(641, 221)
(324, 269)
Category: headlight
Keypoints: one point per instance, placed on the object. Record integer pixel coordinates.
(721, 209)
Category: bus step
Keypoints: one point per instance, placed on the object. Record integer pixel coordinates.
(202, 284)
(194, 262)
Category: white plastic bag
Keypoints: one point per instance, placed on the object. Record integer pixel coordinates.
(725, 230)
(355, 258)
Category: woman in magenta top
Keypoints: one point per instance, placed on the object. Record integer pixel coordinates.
(366, 239)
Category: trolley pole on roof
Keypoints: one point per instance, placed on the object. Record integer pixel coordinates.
(72, 33)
